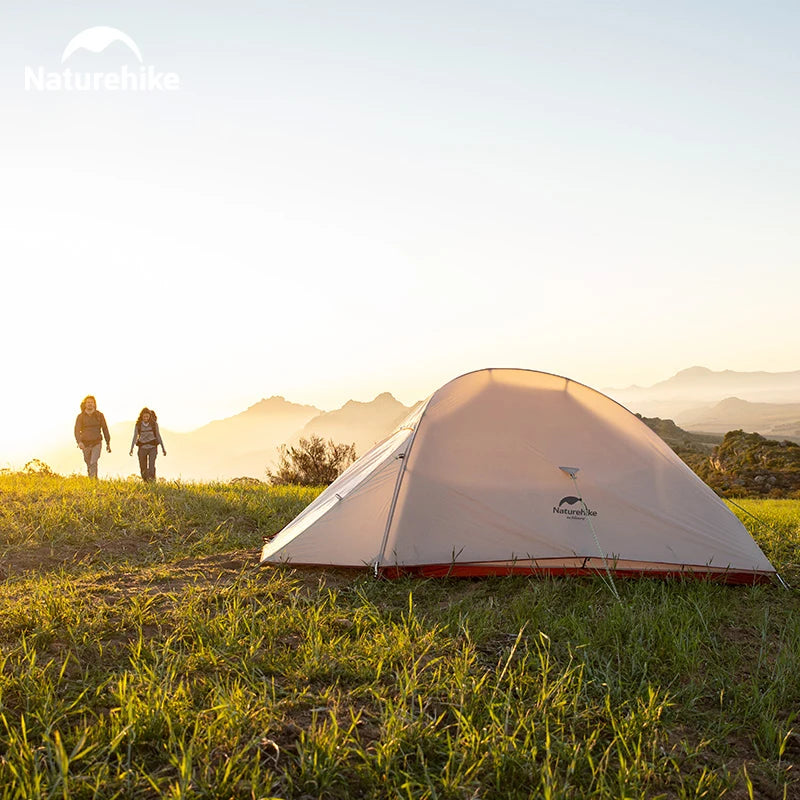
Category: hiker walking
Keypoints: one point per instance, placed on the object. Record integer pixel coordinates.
(147, 438)
(90, 428)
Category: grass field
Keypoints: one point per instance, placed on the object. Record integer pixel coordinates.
(144, 654)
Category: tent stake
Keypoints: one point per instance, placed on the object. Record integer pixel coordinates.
(761, 522)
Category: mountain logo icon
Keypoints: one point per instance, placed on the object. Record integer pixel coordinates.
(565, 511)
(569, 500)
(127, 77)
(97, 39)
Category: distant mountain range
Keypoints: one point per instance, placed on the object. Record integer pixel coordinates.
(774, 420)
(246, 444)
(704, 385)
(363, 424)
(699, 399)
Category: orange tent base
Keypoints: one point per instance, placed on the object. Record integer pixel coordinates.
(662, 571)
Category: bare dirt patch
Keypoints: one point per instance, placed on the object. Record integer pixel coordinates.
(219, 570)
(47, 558)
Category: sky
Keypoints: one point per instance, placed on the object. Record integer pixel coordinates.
(347, 198)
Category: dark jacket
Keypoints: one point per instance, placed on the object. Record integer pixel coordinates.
(90, 429)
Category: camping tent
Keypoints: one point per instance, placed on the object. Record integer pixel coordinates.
(513, 471)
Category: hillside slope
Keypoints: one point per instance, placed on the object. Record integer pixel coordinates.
(732, 413)
(747, 464)
(737, 464)
(693, 448)
(146, 655)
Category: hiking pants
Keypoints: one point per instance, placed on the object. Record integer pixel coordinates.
(91, 455)
(147, 462)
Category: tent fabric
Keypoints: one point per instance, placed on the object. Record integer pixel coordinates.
(471, 484)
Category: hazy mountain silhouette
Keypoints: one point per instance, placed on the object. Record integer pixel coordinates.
(692, 390)
(245, 444)
(241, 445)
(769, 419)
(362, 424)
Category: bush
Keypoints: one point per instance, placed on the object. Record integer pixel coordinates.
(314, 462)
(37, 467)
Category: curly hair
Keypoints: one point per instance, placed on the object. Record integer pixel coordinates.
(144, 411)
(86, 400)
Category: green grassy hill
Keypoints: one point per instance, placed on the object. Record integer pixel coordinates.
(747, 464)
(737, 464)
(145, 654)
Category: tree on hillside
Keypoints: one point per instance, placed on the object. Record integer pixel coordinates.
(314, 462)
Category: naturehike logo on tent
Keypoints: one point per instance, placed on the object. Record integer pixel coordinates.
(573, 513)
(96, 40)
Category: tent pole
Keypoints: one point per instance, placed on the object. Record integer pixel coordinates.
(396, 494)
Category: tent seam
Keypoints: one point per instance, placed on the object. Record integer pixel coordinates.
(396, 495)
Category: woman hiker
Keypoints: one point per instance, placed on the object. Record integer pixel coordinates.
(147, 438)
(90, 428)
